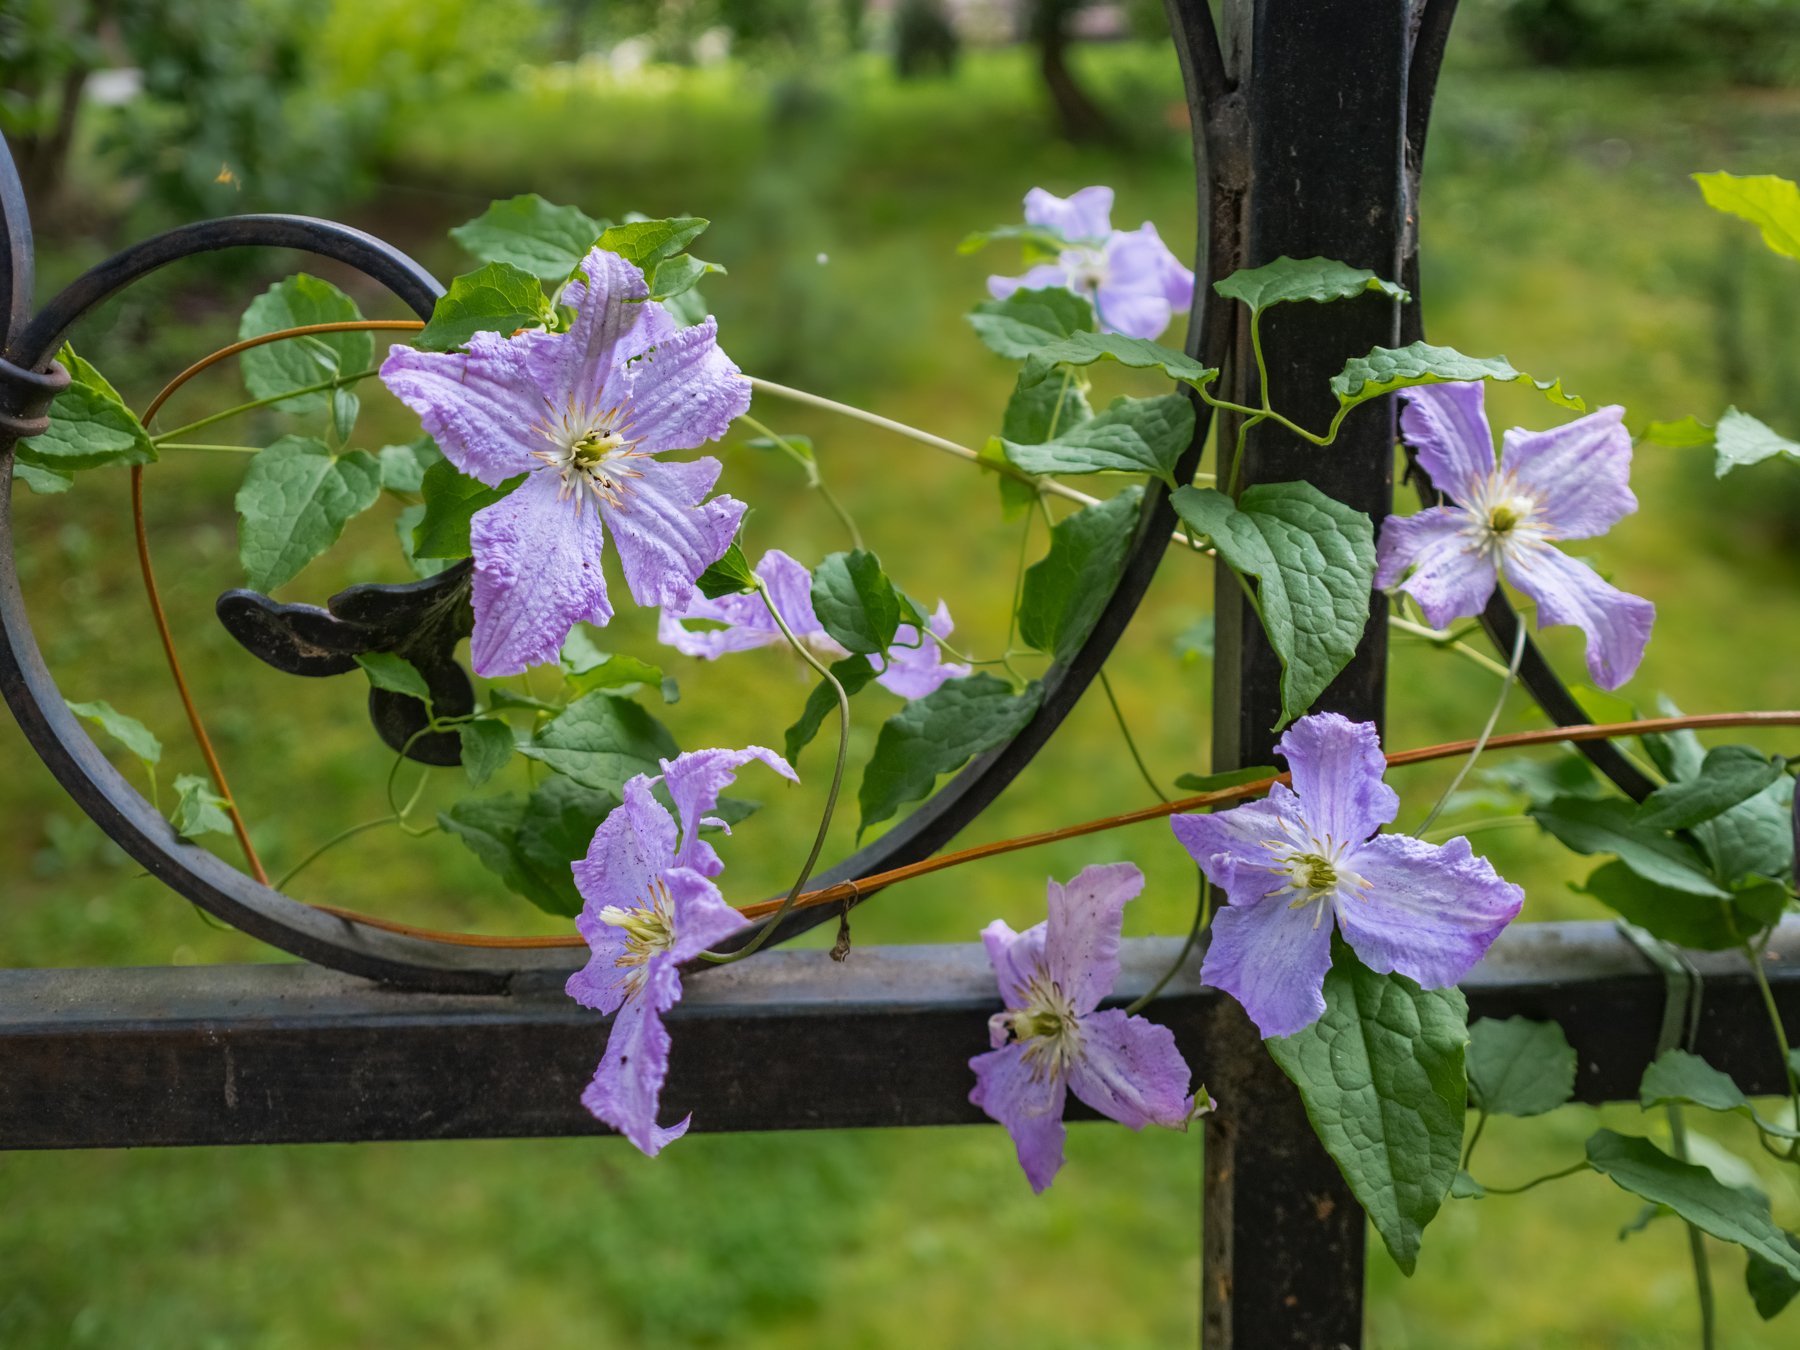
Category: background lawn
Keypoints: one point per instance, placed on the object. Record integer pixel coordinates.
(1559, 229)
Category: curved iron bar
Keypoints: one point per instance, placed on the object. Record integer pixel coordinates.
(1500, 621)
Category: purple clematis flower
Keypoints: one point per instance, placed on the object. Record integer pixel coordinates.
(912, 667)
(1567, 483)
(1134, 282)
(583, 414)
(651, 905)
(1050, 1040)
(1298, 861)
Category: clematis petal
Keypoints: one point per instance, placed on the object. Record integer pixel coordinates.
(1030, 1105)
(1578, 473)
(1429, 912)
(1446, 424)
(1144, 284)
(694, 782)
(1038, 278)
(915, 671)
(684, 391)
(790, 587)
(603, 982)
(1016, 957)
(1081, 948)
(1083, 214)
(1272, 959)
(1229, 846)
(1437, 558)
(629, 853)
(1130, 1071)
(537, 573)
(483, 407)
(666, 532)
(702, 918)
(627, 1087)
(1338, 767)
(607, 294)
(747, 621)
(1567, 590)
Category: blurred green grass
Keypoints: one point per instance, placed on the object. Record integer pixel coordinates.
(1559, 229)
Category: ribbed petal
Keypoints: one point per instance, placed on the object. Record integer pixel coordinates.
(684, 391)
(630, 852)
(1081, 948)
(790, 587)
(694, 782)
(1451, 574)
(537, 573)
(747, 619)
(483, 408)
(702, 918)
(1030, 1106)
(1272, 959)
(666, 532)
(1447, 425)
(1130, 1071)
(915, 671)
(627, 1087)
(1567, 590)
(1578, 473)
(602, 983)
(1144, 284)
(1429, 912)
(607, 295)
(1036, 279)
(1338, 766)
(1229, 845)
(1084, 214)
(1016, 958)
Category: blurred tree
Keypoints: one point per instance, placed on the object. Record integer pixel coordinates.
(923, 39)
(1749, 41)
(48, 48)
(1078, 117)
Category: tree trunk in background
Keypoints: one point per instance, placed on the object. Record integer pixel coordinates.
(1078, 117)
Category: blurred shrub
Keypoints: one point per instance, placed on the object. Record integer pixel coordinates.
(1747, 41)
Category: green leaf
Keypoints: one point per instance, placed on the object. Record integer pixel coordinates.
(1197, 641)
(938, 734)
(1216, 782)
(532, 235)
(853, 672)
(294, 363)
(1028, 320)
(1037, 412)
(395, 674)
(1771, 204)
(294, 503)
(1518, 1067)
(1386, 369)
(1065, 592)
(1680, 917)
(1134, 435)
(1314, 563)
(486, 746)
(1731, 1215)
(1017, 496)
(647, 244)
(1609, 825)
(557, 829)
(498, 298)
(405, 524)
(1741, 440)
(1383, 1080)
(600, 741)
(489, 827)
(1755, 838)
(1729, 775)
(45, 482)
(89, 426)
(1687, 433)
(403, 466)
(1040, 244)
(587, 667)
(1317, 279)
(676, 279)
(198, 809)
(855, 602)
(127, 731)
(1083, 349)
(1770, 1287)
(1682, 1078)
(1465, 1187)
(451, 500)
(730, 574)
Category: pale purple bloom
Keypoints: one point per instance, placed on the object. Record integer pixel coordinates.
(912, 667)
(583, 414)
(1134, 283)
(1571, 482)
(1300, 861)
(1051, 1041)
(651, 905)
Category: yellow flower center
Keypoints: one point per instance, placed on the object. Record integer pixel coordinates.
(591, 449)
(649, 928)
(1047, 1026)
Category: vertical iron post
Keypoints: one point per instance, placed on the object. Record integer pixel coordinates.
(1326, 85)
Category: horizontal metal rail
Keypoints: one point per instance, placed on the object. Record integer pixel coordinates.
(263, 1054)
